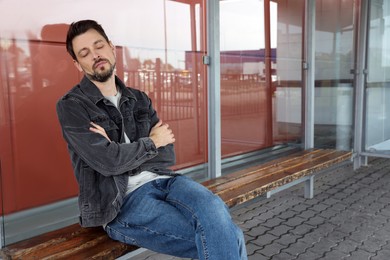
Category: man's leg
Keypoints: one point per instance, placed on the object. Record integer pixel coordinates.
(179, 217)
(147, 221)
(216, 235)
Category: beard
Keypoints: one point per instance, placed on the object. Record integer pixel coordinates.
(102, 75)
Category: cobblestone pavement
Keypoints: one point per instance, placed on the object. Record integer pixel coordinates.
(349, 218)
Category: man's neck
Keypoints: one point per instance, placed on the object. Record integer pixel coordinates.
(107, 88)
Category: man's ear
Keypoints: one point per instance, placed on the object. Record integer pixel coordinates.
(113, 48)
(77, 65)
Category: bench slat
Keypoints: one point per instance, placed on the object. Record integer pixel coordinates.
(237, 181)
(66, 242)
(258, 168)
(247, 191)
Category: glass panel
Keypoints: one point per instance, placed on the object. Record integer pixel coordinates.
(260, 74)
(286, 72)
(334, 43)
(161, 56)
(377, 137)
(243, 89)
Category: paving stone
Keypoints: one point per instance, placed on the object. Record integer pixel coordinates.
(307, 256)
(272, 249)
(371, 245)
(287, 214)
(328, 213)
(282, 256)
(264, 240)
(300, 207)
(250, 223)
(336, 236)
(359, 255)
(280, 230)
(359, 236)
(319, 207)
(274, 222)
(346, 228)
(333, 255)
(381, 255)
(307, 214)
(301, 229)
(257, 257)
(385, 211)
(266, 216)
(382, 234)
(313, 201)
(338, 207)
(341, 195)
(315, 221)
(258, 231)
(294, 221)
(296, 248)
(324, 245)
(251, 248)
(325, 228)
(287, 239)
(312, 237)
(347, 246)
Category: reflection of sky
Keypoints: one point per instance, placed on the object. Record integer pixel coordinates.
(242, 24)
(139, 25)
(135, 24)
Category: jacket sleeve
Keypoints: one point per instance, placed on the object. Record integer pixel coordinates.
(107, 158)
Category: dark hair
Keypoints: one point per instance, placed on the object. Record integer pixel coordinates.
(80, 27)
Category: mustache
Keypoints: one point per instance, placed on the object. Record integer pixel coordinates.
(99, 60)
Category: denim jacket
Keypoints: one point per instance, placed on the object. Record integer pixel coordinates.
(102, 168)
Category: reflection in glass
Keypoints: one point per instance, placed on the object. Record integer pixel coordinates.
(260, 74)
(377, 136)
(161, 56)
(333, 78)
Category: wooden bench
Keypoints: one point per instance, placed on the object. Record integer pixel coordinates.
(75, 242)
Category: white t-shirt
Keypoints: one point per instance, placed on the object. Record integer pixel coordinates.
(138, 180)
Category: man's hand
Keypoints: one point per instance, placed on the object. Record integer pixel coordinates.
(161, 135)
(99, 130)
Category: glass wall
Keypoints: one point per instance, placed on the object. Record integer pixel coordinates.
(286, 76)
(159, 45)
(377, 115)
(261, 53)
(334, 60)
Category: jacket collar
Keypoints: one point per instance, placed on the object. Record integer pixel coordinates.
(92, 91)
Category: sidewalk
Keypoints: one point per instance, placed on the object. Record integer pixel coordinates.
(349, 218)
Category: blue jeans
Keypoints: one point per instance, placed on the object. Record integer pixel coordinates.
(179, 217)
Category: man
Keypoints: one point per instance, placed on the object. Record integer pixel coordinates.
(121, 151)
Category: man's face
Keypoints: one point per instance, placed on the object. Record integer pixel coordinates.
(95, 56)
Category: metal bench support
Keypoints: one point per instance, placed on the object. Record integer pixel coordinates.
(309, 187)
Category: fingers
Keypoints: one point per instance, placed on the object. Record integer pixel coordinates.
(99, 130)
(159, 123)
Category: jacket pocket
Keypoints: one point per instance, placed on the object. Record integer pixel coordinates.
(109, 126)
(142, 118)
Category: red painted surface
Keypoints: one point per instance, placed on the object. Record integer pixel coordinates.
(35, 71)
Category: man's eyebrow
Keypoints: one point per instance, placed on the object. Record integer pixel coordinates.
(86, 49)
(98, 41)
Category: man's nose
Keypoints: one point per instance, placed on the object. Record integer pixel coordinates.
(95, 55)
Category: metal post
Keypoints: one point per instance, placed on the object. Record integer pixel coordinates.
(308, 68)
(214, 89)
(360, 64)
